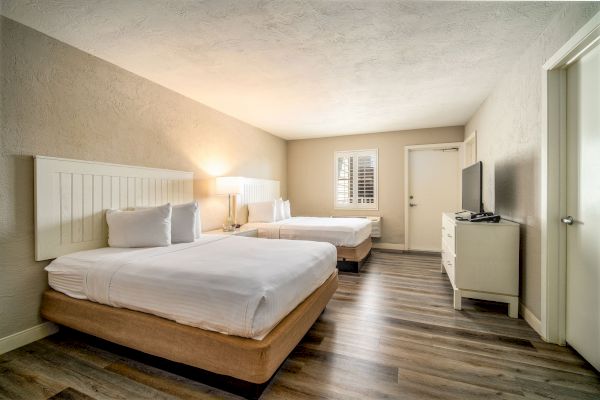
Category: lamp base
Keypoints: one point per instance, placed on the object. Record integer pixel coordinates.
(228, 228)
(229, 225)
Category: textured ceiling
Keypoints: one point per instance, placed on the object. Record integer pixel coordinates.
(302, 69)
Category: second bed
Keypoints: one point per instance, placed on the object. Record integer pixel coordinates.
(351, 236)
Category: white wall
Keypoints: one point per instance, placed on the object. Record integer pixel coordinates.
(508, 126)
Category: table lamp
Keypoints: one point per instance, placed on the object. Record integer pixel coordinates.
(230, 186)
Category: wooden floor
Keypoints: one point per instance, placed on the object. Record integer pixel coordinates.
(390, 332)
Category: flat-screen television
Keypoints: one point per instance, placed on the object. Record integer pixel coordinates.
(471, 188)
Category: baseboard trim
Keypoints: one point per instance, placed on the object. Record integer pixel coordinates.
(27, 336)
(389, 246)
(531, 319)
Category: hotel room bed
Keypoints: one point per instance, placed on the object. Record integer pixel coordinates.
(351, 236)
(252, 299)
(233, 306)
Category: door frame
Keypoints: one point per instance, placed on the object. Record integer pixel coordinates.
(553, 190)
(407, 150)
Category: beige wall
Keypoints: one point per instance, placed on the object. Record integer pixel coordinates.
(508, 126)
(310, 173)
(59, 101)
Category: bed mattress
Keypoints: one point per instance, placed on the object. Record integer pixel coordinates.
(228, 284)
(346, 232)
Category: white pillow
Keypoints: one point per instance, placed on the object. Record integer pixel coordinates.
(279, 213)
(185, 227)
(261, 212)
(287, 211)
(143, 228)
(185, 222)
(198, 221)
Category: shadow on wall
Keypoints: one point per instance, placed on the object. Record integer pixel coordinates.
(514, 196)
(505, 176)
(514, 188)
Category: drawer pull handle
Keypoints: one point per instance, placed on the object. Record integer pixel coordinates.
(449, 235)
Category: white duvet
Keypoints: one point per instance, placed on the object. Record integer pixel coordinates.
(348, 232)
(233, 285)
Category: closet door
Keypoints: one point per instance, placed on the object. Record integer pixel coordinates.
(583, 206)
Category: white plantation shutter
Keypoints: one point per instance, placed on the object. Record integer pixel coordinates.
(345, 180)
(355, 185)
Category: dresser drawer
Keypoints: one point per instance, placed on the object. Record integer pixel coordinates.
(448, 234)
(448, 261)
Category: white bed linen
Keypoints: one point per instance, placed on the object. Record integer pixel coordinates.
(233, 285)
(347, 232)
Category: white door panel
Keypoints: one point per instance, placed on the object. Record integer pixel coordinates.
(433, 184)
(583, 204)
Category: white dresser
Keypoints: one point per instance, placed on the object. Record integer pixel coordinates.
(482, 260)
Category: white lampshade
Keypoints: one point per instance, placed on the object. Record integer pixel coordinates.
(228, 185)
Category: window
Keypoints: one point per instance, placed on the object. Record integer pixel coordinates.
(355, 185)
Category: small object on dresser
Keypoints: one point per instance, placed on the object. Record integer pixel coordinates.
(494, 218)
(481, 217)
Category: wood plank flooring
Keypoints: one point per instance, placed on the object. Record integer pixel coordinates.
(390, 332)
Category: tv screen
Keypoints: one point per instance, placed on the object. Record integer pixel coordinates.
(471, 188)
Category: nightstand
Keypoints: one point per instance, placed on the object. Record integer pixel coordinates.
(248, 232)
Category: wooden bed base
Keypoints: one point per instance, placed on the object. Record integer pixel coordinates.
(249, 360)
(351, 259)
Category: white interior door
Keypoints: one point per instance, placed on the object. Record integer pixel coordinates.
(433, 188)
(583, 205)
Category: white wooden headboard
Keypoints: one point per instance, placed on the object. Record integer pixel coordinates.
(255, 191)
(71, 197)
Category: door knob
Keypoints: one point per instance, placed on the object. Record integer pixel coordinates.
(412, 204)
(567, 220)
